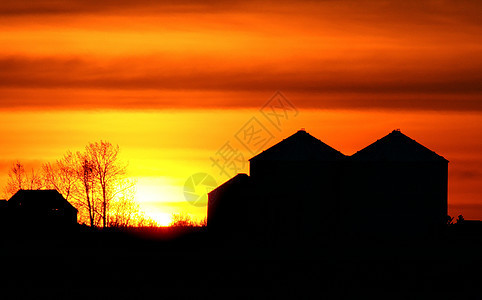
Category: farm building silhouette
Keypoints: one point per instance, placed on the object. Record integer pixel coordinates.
(38, 210)
(302, 188)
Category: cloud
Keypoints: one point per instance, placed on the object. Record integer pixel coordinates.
(466, 174)
(25, 7)
(156, 83)
(139, 73)
(157, 54)
(364, 8)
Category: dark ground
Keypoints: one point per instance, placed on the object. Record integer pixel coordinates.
(169, 265)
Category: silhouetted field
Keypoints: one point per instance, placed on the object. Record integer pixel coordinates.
(178, 263)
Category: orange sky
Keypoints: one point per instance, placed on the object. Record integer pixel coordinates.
(171, 83)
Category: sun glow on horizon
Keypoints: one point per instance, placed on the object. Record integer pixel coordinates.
(162, 219)
(150, 192)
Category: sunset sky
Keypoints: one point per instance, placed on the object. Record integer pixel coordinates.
(171, 82)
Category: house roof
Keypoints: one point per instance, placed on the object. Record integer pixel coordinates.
(240, 178)
(396, 146)
(39, 199)
(301, 146)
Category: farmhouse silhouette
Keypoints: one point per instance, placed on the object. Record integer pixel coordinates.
(37, 210)
(301, 188)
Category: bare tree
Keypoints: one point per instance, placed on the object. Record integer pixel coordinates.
(124, 210)
(98, 178)
(203, 222)
(145, 221)
(16, 178)
(73, 177)
(182, 220)
(34, 180)
(89, 195)
(19, 179)
(62, 175)
(108, 170)
(94, 181)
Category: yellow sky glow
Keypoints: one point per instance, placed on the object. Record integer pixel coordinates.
(164, 148)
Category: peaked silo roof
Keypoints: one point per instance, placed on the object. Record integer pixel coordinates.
(396, 146)
(300, 146)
